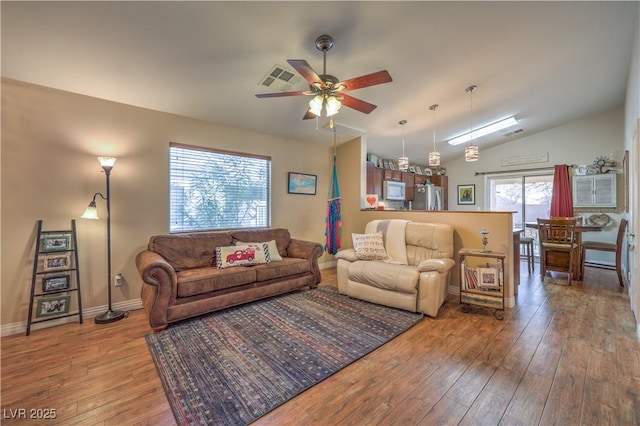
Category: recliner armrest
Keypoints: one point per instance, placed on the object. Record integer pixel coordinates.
(438, 265)
(347, 254)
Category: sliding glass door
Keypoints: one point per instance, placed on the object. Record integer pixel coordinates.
(526, 194)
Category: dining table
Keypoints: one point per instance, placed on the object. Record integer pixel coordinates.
(577, 260)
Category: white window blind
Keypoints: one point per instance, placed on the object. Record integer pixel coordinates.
(211, 189)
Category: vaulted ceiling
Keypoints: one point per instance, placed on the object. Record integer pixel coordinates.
(547, 63)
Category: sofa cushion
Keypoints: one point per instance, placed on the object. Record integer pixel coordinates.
(280, 235)
(387, 276)
(288, 266)
(192, 250)
(242, 254)
(428, 241)
(369, 246)
(192, 282)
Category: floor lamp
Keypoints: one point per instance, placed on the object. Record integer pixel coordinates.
(92, 213)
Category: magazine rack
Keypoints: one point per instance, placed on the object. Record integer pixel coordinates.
(482, 282)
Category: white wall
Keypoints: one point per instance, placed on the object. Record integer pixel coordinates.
(632, 143)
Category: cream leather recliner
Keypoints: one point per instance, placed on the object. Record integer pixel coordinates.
(419, 285)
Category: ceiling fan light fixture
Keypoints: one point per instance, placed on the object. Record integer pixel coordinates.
(315, 105)
(333, 106)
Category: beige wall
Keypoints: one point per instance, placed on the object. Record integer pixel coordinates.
(49, 171)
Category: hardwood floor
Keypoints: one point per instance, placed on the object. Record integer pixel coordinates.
(564, 355)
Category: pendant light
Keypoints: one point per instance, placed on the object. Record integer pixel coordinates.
(471, 150)
(434, 156)
(403, 162)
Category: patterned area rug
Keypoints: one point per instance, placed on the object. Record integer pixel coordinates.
(233, 366)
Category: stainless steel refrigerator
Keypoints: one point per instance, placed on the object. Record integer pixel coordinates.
(427, 197)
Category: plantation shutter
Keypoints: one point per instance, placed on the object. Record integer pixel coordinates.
(212, 189)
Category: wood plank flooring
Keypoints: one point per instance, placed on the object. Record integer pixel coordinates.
(564, 355)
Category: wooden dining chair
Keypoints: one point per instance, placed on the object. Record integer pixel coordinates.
(607, 247)
(558, 247)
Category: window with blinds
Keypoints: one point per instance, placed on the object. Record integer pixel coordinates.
(211, 189)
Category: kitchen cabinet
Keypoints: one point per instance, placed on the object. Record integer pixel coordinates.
(594, 190)
(376, 175)
(409, 181)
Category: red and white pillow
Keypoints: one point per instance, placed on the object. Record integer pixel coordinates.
(242, 254)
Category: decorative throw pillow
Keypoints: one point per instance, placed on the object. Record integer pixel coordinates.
(242, 254)
(274, 255)
(369, 246)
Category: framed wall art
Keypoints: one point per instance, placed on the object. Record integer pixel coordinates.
(55, 283)
(56, 242)
(53, 306)
(466, 194)
(53, 262)
(302, 183)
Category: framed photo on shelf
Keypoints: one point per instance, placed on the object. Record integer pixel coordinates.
(427, 171)
(488, 278)
(55, 283)
(57, 242)
(302, 183)
(53, 262)
(53, 306)
(466, 194)
(419, 170)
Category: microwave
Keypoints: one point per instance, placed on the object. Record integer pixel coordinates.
(393, 190)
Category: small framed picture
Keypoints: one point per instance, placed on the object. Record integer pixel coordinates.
(53, 306)
(56, 261)
(302, 183)
(418, 170)
(466, 194)
(428, 172)
(488, 279)
(57, 242)
(371, 201)
(55, 283)
(412, 169)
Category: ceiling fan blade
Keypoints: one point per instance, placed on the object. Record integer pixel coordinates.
(281, 94)
(309, 115)
(305, 70)
(372, 79)
(357, 104)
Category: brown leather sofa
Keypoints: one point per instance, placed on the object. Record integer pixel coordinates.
(181, 279)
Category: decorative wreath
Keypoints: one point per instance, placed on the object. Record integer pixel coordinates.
(599, 219)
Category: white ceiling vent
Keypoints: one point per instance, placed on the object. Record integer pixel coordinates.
(514, 132)
(280, 78)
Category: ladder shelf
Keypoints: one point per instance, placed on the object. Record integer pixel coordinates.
(55, 266)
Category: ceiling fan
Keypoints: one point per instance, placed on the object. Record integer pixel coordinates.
(328, 90)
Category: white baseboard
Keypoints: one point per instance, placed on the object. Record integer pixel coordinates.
(21, 327)
(327, 265)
